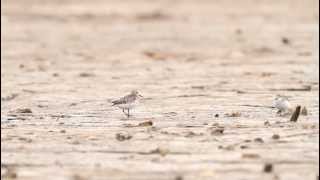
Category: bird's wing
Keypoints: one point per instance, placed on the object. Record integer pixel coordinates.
(122, 100)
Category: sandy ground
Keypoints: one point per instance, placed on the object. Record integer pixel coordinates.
(208, 71)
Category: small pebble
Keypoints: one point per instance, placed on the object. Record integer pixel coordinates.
(160, 151)
(63, 131)
(24, 110)
(233, 114)
(268, 168)
(215, 124)
(85, 74)
(267, 123)
(146, 123)
(276, 136)
(75, 142)
(259, 140)
(304, 111)
(217, 131)
(156, 160)
(285, 40)
(10, 174)
(78, 177)
(123, 136)
(239, 31)
(250, 156)
(244, 147)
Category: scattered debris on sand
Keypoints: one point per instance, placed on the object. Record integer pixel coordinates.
(228, 147)
(268, 168)
(75, 142)
(238, 31)
(63, 131)
(267, 74)
(151, 16)
(72, 104)
(303, 88)
(244, 147)
(78, 177)
(198, 87)
(192, 134)
(258, 140)
(156, 55)
(285, 40)
(250, 156)
(10, 97)
(123, 136)
(170, 133)
(27, 140)
(146, 123)
(23, 110)
(233, 114)
(9, 172)
(142, 124)
(267, 123)
(209, 71)
(304, 111)
(179, 177)
(85, 74)
(217, 131)
(161, 151)
(276, 136)
(240, 91)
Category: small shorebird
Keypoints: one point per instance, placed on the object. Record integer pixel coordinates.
(283, 105)
(127, 102)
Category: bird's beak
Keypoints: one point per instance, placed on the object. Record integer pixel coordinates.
(140, 95)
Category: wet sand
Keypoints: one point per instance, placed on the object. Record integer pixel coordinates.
(209, 70)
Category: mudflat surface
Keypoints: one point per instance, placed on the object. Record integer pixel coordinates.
(209, 70)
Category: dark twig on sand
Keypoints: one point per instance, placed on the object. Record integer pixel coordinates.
(295, 115)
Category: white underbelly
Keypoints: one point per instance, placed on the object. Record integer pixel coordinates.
(126, 106)
(283, 105)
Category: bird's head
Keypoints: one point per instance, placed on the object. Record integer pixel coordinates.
(136, 93)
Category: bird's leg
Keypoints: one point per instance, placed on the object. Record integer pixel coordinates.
(128, 112)
(124, 112)
(282, 113)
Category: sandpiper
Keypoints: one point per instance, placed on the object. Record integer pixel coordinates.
(283, 105)
(127, 102)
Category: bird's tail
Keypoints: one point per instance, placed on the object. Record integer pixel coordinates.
(111, 101)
